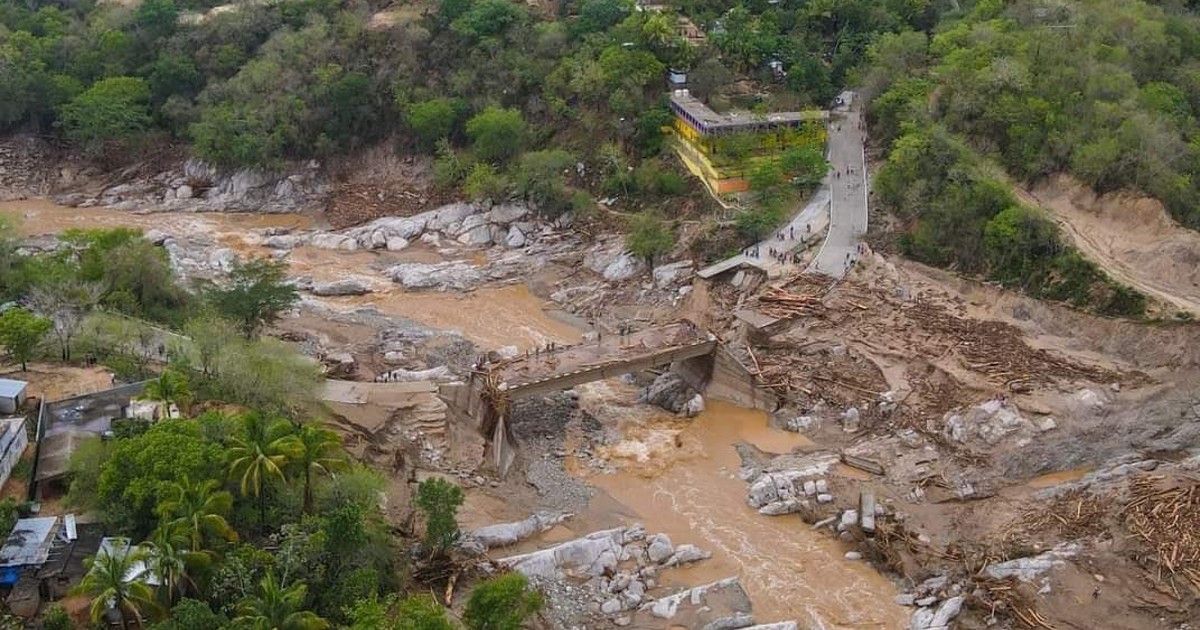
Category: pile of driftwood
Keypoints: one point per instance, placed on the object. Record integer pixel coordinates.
(998, 350)
(781, 304)
(1167, 519)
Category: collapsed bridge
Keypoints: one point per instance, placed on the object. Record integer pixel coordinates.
(697, 355)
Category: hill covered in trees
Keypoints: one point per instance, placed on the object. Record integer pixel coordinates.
(1105, 91)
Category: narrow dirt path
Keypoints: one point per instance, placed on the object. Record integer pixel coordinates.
(1130, 237)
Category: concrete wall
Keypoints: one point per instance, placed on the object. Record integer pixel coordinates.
(731, 382)
(13, 441)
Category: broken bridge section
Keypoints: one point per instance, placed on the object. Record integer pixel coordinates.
(485, 399)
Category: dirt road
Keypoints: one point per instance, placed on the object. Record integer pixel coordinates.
(1131, 237)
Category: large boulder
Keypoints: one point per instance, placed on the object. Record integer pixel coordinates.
(510, 533)
(456, 276)
(334, 241)
(348, 286)
(590, 556)
(443, 218)
(515, 238)
(623, 267)
(673, 274)
(672, 393)
(508, 212)
(990, 422)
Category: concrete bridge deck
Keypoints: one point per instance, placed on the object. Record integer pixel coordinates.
(609, 356)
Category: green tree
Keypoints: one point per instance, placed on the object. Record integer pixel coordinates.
(649, 237)
(497, 134)
(209, 336)
(439, 500)
(431, 120)
(191, 614)
(140, 472)
(56, 618)
(21, 332)
(117, 580)
(805, 164)
(485, 182)
(170, 560)
(276, 607)
(170, 388)
(502, 603)
(198, 510)
(318, 452)
(259, 454)
(112, 109)
(256, 293)
(488, 18)
(415, 612)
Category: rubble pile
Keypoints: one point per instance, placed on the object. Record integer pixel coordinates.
(617, 567)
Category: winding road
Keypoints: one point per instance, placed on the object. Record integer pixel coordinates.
(840, 203)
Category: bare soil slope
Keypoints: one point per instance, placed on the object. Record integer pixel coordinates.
(1131, 236)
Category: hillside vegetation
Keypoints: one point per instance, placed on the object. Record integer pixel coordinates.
(1106, 91)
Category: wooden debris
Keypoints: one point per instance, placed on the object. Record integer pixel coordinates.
(863, 464)
(781, 304)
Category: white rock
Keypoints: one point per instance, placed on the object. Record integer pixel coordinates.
(515, 238)
(779, 508)
(849, 518)
(157, 237)
(850, 420)
(822, 486)
(693, 407)
(853, 555)
(478, 235)
(507, 212)
(810, 487)
(1026, 569)
(667, 276)
(184, 192)
(334, 241)
(456, 275)
(660, 548)
(824, 498)
(396, 243)
(905, 599)
(348, 286)
(947, 611)
(285, 241)
(686, 554)
(624, 267)
(1046, 424)
(393, 357)
(510, 533)
(611, 606)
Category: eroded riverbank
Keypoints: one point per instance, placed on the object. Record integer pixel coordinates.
(681, 477)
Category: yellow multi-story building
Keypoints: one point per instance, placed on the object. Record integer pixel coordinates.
(720, 149)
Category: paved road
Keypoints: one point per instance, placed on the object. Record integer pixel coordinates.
(840, 202)
(848, 209)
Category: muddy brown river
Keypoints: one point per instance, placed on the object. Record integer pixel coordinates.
(492, 317)
(681, 477)
(678, 477)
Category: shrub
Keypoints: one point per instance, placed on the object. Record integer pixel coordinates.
(501, 603)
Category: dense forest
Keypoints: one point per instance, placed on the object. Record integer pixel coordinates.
(1106, 91)
(506, 94)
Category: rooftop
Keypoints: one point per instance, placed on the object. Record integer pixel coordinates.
(703, 115)
(10, 388)
(29, 543)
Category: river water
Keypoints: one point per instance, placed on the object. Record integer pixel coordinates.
(681, 478)
(678, 477)
(492, 317)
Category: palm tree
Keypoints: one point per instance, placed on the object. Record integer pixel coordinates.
(116, 579)
(260, 453)
(198, 509)
(274, 607)
(320, 453)
(170, 387)
(170, 560)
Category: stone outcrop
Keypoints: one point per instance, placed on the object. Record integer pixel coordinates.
(448, 276)
(788, 491)
(991, 422)
(674, 394)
